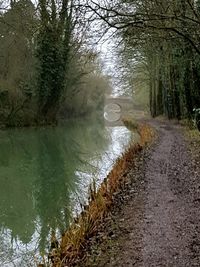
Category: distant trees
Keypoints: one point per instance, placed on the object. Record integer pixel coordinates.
(86, 87)
(165, 35)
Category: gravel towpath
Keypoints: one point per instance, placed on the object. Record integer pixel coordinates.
(159, 225)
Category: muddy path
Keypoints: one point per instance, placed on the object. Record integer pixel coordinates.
(158, 223)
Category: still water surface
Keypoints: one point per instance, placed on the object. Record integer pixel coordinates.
(43, 172)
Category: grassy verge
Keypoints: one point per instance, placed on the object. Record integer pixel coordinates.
(193, 134)
(72, 245)
(193, 137)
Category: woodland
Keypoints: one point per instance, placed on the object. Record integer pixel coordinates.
(50, 68)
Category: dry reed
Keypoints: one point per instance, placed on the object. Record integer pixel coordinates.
(86, 225)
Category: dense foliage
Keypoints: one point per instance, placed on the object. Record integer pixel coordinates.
(46, 69)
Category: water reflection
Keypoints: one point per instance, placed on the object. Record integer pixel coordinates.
(41, 172)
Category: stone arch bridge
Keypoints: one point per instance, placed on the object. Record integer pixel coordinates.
(116, 108)
(125, 103)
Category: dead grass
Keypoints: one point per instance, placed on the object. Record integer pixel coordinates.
(72, 245)
(193, 137)
(130, 123)
(194, 134)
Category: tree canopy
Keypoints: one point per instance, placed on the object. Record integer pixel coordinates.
(165, 36)
(47, 66)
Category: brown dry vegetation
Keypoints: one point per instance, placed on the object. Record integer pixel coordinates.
(193, 138)
(72, 247)
(156, 219)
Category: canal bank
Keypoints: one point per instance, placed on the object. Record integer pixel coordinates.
(45, 174)
(76, 241)
(156, 220)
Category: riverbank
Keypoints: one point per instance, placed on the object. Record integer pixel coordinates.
(76, 242)
(156, 220)
(45, 174)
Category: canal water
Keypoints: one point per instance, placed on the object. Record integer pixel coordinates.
(44, 175)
